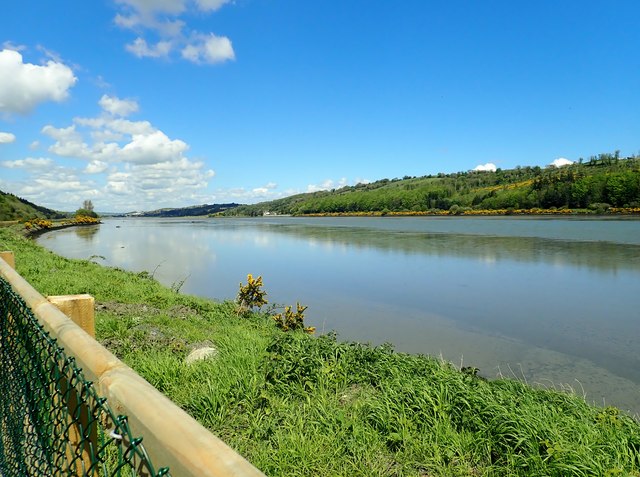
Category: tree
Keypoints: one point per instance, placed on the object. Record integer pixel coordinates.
(86, 210)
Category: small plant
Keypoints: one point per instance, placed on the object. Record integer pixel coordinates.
(177, 285)
(251, 295)
(290, 321)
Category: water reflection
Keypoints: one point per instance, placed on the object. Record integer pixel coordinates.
(604, 256)
(533, 305)
(86, 232)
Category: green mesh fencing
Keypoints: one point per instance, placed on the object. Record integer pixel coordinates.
(52, 422)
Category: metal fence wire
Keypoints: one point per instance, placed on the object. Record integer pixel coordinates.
(52, 421)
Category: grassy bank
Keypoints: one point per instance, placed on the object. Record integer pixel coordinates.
(298, 405)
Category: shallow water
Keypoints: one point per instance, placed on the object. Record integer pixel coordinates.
(552, 301)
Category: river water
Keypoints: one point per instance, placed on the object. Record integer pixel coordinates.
(553, 301)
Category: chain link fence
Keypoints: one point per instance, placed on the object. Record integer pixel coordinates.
(52, 422)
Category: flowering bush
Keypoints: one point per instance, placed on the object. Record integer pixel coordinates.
(38, 224)
(85, 219)
(251, 295)
(292, 321)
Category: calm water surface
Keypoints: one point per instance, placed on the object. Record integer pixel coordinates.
(552, 301)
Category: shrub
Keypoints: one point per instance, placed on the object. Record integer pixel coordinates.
(290, 321)
(251, 295)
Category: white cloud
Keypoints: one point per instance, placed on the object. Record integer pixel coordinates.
(28, 163)
(488, 167)
(6, 138)
(209, 49)
(210, 5)
(149, 7)
(561, 161)
(69, 142)
(160, 19)
(327, 185)
(118, 107)
(141, 49)
(8, 45)
(264, 191)
(24, 85)
(152, 149)
(96, 167)
(123, 164)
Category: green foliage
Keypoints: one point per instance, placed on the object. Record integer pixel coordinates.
(603, 179)
(15, 208)
(85, 213)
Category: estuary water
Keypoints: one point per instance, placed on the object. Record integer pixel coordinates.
(553, 301)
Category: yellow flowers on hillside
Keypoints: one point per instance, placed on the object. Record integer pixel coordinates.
(38, 224)
(469, 211)
(84, 219)
(35, 225)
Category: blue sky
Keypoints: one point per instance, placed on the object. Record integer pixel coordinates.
(140, 104)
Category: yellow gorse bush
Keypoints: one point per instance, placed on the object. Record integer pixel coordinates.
(290, 321)
(38, 224)
(251, 295)
(84, 219)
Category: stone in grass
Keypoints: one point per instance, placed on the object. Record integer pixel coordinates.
(200, 354)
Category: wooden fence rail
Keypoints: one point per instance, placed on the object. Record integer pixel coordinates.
(172, 438)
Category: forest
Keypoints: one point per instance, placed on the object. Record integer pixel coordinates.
(601, 183)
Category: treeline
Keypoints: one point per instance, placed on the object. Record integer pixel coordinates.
(192, 211)
(597, 183)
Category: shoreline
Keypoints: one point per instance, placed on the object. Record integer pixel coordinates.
(36, 233)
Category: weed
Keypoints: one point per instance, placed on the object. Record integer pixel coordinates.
(177, 285)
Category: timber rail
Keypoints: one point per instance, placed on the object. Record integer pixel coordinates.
(68, 406)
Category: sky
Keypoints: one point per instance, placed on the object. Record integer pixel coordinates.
(143, 104)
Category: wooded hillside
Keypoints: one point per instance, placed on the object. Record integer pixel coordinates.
(597, 183)
(15, 208)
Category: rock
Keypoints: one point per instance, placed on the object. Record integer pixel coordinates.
(199, 354)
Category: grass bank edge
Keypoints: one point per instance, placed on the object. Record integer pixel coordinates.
(300, 405)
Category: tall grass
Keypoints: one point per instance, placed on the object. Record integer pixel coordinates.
(297, 405)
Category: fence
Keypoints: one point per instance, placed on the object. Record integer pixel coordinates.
(70, 407)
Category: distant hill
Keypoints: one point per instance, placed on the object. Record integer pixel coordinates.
(15, 208)
(598, 183)
(193, 211)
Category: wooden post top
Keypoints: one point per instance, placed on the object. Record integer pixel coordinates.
(8, 257)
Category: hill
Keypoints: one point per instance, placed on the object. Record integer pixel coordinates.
(598, 183)
(15, 208)
(192, 211)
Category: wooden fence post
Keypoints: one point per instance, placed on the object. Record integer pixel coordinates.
(83, 431)
(80, 308)
(9, 257)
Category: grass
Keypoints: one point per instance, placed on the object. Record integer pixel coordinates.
(297, 405)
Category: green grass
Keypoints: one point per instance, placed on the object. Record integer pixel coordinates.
(296, 405)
